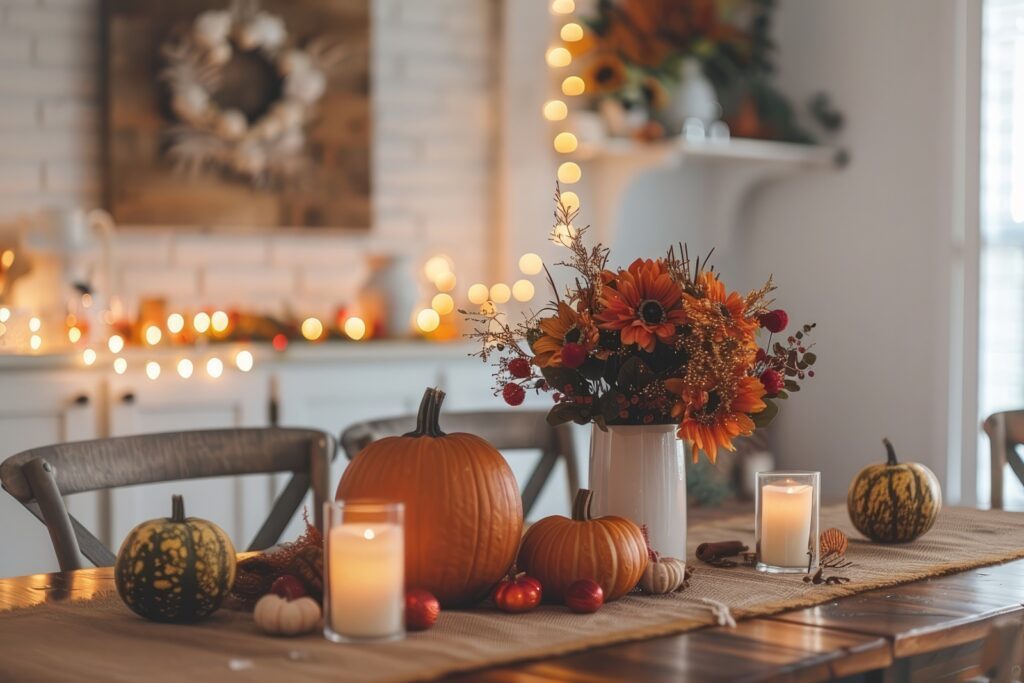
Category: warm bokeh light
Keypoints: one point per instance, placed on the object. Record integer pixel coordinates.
(563, 234)
(244, 360)
(477, 294)
(436, 266)
(563, 6)
(34, 324)
(530, 263)
(185, 368)
(88, 356)
(573, 86)
(87, 300)
(500, 293)
(219, 321)
(555, 110)
(201, 322)
(74, 334)
(571, 200)
(215, 367)
(152, 369)
(522, 290)
(428, 320)
(175, 323)
(558, 57)
(5, 314)
(571, 32)
(355, 328)
(565, 143)
(445, 282)
(279, 342)
(569, 172)
(312, 328)
(35, 342)
(153, 335)
(7, 259)
(115, 343)
(120, 366)
(442, 303)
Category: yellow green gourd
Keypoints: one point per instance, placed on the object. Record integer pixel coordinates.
(894, 502)
(175, 569)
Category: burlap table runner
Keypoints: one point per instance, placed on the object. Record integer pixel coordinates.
(102, 640)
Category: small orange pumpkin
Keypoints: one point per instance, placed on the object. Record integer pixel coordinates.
(463, 512)
(609, 550)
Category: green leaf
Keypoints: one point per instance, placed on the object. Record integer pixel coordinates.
(558, 378)
(764, 418)
(566, 412)
(634, 374)
(810, 358)
(782, 394)
(791, 386)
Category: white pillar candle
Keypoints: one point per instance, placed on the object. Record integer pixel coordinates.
(786, 509)
(366, 580)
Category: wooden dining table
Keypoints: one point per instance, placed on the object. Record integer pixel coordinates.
(929, 630)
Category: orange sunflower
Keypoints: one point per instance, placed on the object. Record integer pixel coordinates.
(725, 313)
(712, 419)
(567, 327)
(643, 303)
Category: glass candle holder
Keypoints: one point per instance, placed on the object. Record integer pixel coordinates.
(786, 521)
(364, 571)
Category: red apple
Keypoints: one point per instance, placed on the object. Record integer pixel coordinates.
(518, 594)
(421, 609)
(584, 596)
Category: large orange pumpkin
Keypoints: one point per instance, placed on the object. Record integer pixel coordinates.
(609, 550)
(463, 512)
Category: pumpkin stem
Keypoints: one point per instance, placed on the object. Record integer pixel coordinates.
(581, 505)
(890, 452)
(177, 508)
(429, 413)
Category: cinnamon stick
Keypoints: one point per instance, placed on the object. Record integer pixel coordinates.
(716, 551)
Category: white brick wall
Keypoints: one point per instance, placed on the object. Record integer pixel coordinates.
(433, 87)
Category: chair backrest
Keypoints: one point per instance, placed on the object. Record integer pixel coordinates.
(505, 430)
(1005, 432)
(40, 477)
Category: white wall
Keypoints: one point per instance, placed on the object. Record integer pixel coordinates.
(434, 148)
(866, 252)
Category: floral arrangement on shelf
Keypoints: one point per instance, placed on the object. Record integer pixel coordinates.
(660, 342)
(632, 52)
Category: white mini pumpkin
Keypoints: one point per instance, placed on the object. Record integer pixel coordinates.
(663, 575)
(282, 617)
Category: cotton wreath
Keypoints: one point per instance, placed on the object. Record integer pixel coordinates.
(269, 149)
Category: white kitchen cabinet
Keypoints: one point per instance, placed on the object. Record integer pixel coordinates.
(38, 408)
(139, 405)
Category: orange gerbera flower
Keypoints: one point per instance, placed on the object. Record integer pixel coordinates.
(644, 303)
(566, 327)
(712, 419)
(726, 313)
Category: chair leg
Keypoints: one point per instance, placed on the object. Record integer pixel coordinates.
(41, 479)
(996, 429)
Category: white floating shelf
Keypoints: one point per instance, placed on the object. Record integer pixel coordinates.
(733, 169)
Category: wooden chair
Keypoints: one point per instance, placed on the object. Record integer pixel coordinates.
(39, 477)
(505, 430)
(1002, 652)
(1005, 432)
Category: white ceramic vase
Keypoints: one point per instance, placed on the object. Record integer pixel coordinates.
(694, 99)
(639, 472)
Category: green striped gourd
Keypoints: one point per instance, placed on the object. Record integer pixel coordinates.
(894, 502)
(175, 569)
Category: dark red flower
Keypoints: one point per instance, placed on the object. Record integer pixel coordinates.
(513, 394)
(774, 321)
(573, 355)
(772, 381)
(762, 356)
(519, 368)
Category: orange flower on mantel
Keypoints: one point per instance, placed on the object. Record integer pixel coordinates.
(643, 303)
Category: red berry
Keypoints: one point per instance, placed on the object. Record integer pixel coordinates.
(288, 587)
(810, 373)
(584, 596)
(774, 321)
(421, 609)
(573, 355)
(517, 594)
(772, 381)
(761, 357)
(519, 368)
(513, 394)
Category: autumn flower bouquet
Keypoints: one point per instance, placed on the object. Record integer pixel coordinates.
(661, 342)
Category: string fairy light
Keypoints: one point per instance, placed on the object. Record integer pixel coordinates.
(355, 328)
